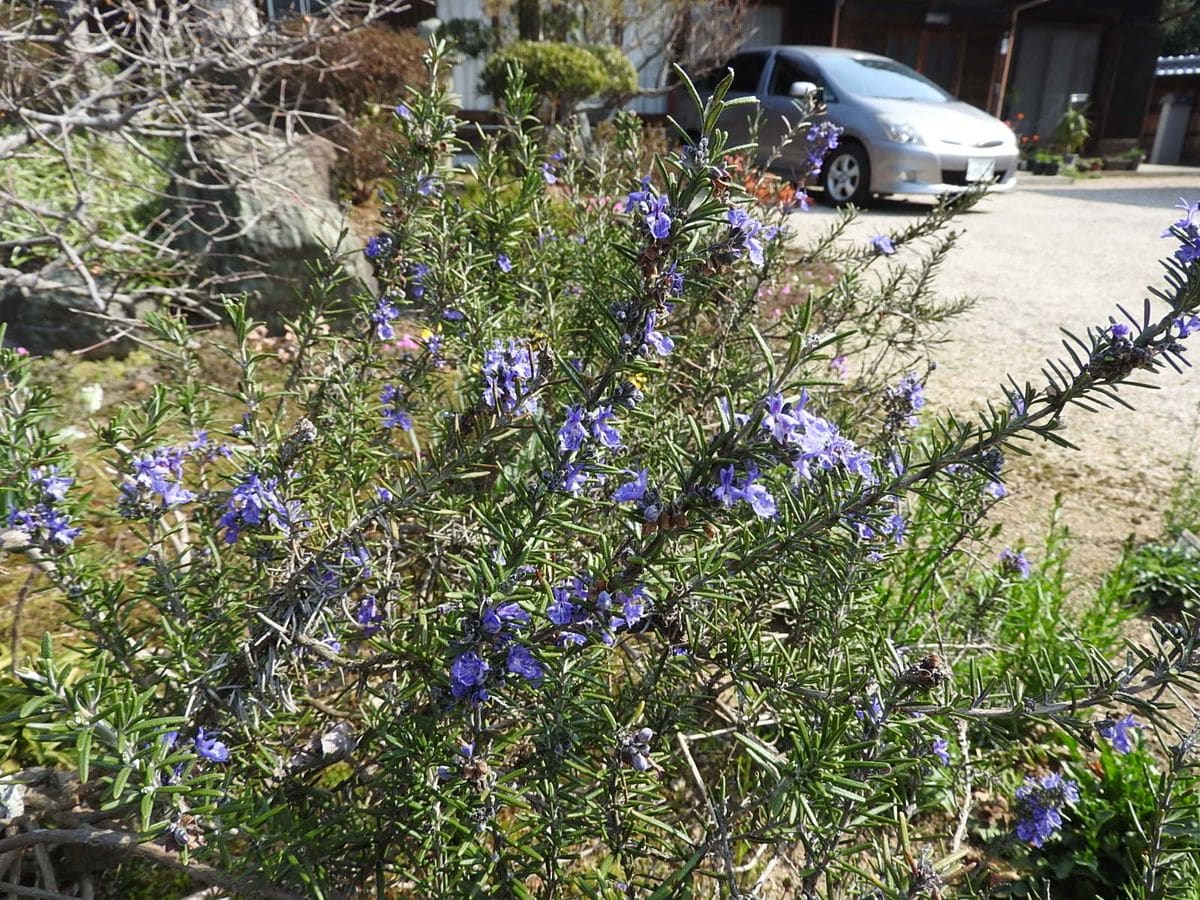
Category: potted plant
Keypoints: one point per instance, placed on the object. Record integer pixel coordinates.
(1127, 161)
(1052, 165)
(1072, 133)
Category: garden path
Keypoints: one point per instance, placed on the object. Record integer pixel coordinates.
(1054, 253)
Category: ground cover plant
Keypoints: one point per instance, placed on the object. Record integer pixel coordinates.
(583, 560)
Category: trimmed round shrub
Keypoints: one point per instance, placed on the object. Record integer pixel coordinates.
(563, 74)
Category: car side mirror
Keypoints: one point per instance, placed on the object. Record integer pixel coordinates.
(803, 89)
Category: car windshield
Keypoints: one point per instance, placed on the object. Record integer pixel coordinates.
(883, 78)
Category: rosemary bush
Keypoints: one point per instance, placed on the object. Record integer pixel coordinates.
(584, 560)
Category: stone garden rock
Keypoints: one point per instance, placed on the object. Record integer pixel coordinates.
(260, 211)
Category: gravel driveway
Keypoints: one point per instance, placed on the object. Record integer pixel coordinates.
(1057, 253)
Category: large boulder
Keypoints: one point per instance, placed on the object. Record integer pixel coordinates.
(259, 212)
(56, 308)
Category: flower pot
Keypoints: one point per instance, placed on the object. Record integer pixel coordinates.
(1037, 167)
(1051, 169)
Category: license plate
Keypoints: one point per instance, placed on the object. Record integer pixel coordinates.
(980, 169)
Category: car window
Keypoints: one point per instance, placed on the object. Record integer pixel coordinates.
(747, 69)
(788, 71)
(882, 78)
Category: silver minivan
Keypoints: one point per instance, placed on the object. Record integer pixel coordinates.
(901, 133)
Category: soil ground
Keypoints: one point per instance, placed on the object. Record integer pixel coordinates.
(1059, 253)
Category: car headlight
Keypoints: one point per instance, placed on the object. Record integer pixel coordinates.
(901, 133)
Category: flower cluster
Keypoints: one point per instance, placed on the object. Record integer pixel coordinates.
(1014, 563)
(731, 490)
(256, 503)
(43, 521)
(641, 334)
(636, 748)
(902, 401)
(811, 443)
(379, 247)
(491, 648)
(747, 236)
(578, 613)
(157, 473)
(369, 617)
(394, 413)
(509, 370)
(1187, 232)
(651, 211)
(819, 140)
(1039, 807)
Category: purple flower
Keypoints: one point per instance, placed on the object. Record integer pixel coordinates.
(730, 491)
(1039, 805)
(656, 218)
(369, 616)
(903, 401)
(1119, 732)
(882, 244)
(378, 246)
(429, 186)
(674, 280)
(548, 173)
(746, 237)
(468, 677)
(839, 367)
(1119, 331)
(503, 263)
(493, 620)
(53, 485)
(42, 520)
(572, 434)
(631, 491)
(453, 315)
(403, 112)
(602, 432)
(159, 472)
(210, 748)
(637, 748)
(394, 415)
(383, 315)
(575, 475)
(508, 369)
(255, 503)
(523, 663)
(1187, 326)
(1014, 562)
(661, 343)
(941, 749)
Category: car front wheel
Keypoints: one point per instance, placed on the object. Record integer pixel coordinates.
(847, 176)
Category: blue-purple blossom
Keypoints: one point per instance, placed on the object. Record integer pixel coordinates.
(941, 749)
(574, 476)
(496, 620)
(503, 263)
(731, 490)
(208, 746)
(414, 280)
(903, 400)
(820, 139)
(674, 280)
(379, 246)
(382, 316)
(1187, 325)
(393, 412)
(572, 433)
(746, 237)
(813, 444)
(256, 503)
(1119, 331)
(1119, 732)
(508, 370)
(632, 491)
(651, 210)
(1014, 563)
(158, 472)
(652, 337)
(637, 748)
(369, 617)
(882, 244)
(42, 520)
(468, 677)
(402, 111)
(522, 662)
(1039, 805)
(429, 185)
(548, 173)
(1187, 232)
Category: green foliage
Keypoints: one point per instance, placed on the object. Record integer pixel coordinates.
(563, 74)
(1073, 130)
(1166, 576)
